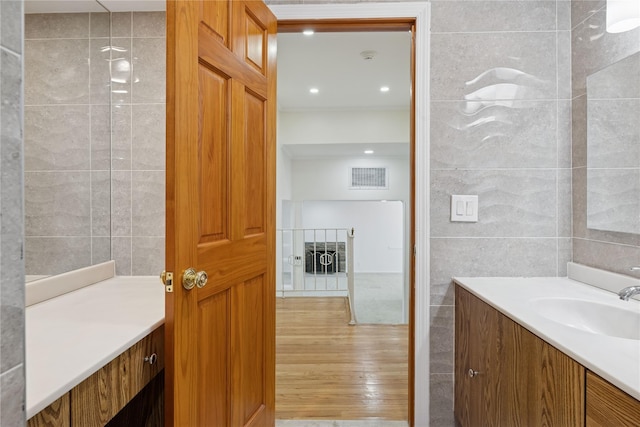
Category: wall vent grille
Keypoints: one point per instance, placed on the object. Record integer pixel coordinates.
(368, 178)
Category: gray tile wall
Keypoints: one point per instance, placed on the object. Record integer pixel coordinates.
(138, 125)
(67, 141)
(12, 377)
(500, 128)
(94, 159)
(593, 49)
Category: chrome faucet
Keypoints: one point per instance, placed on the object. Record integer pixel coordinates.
(628, 292)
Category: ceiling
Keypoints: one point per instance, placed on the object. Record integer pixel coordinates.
(332, 63)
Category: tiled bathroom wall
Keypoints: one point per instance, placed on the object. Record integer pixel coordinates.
(67, 141)
(594, 49)
(138, 153)
(501, 129)
(12, 379)
(94, 153)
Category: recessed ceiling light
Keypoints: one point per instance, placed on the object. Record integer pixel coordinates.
(314, 90)
(308, 32)
(384, 89)
(368, 151)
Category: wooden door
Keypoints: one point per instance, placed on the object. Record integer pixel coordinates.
(220, 201)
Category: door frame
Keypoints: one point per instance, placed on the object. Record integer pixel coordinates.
(419, 319)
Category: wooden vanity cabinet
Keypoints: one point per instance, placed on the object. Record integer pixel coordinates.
(608, 406)
(58, 414)
(98, 399)
(506, 376)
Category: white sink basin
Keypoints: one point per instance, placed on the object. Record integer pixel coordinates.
(591, 316)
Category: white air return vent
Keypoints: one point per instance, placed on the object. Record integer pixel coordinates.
(368, 178)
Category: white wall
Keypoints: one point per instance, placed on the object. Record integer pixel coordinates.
(341, 127)
(378, 245)
(328, 179)
(284, 182)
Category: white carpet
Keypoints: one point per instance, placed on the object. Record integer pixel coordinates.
(378, 298)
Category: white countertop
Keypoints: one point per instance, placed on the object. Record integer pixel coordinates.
(70, 337)
(614, 359)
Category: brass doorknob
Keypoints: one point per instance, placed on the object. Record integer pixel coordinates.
(201, 279)
(192, 278)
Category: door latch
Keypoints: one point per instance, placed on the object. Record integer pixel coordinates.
(167, 280)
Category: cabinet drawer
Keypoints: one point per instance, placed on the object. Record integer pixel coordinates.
(101, 396)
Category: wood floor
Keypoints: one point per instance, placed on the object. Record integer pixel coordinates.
(326, 369)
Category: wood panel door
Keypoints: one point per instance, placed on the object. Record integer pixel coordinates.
(220, 201)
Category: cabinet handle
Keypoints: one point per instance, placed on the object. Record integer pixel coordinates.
(472, 373)
(151, 359)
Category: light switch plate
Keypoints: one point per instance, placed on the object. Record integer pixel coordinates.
(464, 208)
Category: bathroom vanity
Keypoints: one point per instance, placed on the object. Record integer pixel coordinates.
(92, 350)
(519, 362)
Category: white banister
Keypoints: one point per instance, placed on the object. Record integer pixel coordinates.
(351, 276)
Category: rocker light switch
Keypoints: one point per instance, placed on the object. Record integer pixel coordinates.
(464, 208)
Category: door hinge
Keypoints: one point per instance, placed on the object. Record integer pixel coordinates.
(167, 280)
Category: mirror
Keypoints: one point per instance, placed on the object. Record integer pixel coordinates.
(613, 147)
(67, 152)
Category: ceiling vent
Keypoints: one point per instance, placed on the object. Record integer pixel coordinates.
(368, 178)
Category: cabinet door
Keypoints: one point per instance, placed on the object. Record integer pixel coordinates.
(607, 405)
(541, 386)
(463, 407)
(516, 378)
(477, 364)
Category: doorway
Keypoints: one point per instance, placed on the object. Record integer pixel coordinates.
(417, 13)
(364, 15)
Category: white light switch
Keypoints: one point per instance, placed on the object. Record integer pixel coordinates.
(464, 208)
